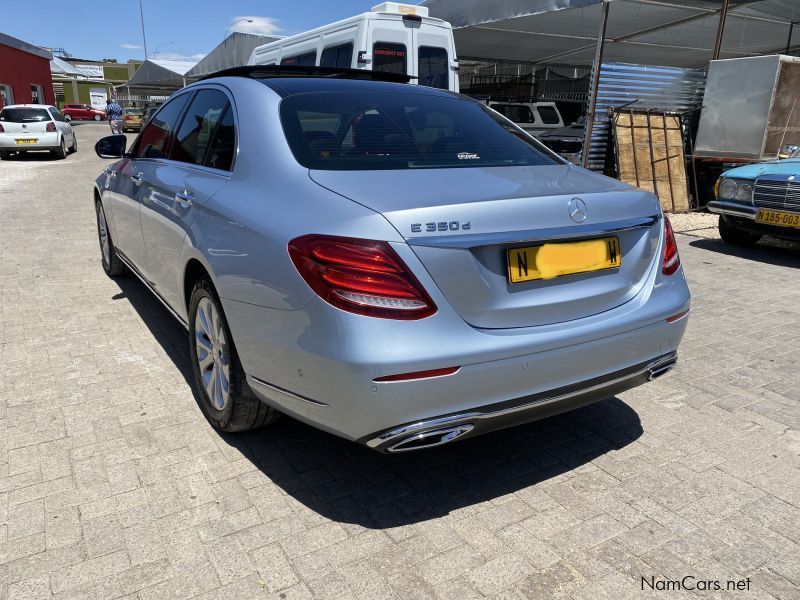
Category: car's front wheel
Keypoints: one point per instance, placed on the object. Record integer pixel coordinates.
(219, 380)
(731, 234)
(112, 264)
(97, 117)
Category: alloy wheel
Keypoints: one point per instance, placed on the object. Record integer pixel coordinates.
(213, 355)
(102, 232)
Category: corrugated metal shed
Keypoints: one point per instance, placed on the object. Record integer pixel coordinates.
(167, 73)
(234, 51)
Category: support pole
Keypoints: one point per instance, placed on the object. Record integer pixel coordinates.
(144, 39)
(789, 39)
(723, 15)
(598, 63)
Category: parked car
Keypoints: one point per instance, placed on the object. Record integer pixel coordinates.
(82, 112)
(29, 127)
(149, 109)
(759, 199)
(395, 264)
(567, 141)
(534, 117)
(132, 119)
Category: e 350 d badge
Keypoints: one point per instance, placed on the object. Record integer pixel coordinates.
(440, 226)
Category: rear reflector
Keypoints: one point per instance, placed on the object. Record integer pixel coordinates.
(672, 260)
(680, 315)
(419, 374)
(365, 277)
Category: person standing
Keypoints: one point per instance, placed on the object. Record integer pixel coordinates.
(114, 113)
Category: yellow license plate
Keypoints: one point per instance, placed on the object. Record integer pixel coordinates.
(776, 217)
(563, 258)
(21, 141)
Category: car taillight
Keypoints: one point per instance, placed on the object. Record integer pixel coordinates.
(672, 260)
(51, 127)
(128, 118)
(365, 277)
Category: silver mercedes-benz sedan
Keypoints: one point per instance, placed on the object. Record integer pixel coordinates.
(395, 264)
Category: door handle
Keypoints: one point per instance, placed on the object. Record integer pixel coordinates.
(184, 198)
(138, 178)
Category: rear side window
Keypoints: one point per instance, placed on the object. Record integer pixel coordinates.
(367, 130)
(197, 127)
(309, 59)
(154, 140)
(223, 144)
(518, 113)
(549, 115)
(24, 115)
(433, 67)
(390, 58)
(337, 56)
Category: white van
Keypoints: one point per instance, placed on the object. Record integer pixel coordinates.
(534, 117)
(398, 38)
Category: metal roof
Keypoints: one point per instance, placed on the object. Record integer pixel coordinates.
(12, 42)
(677, 33)
(234, 51)
(169, 73)
(59, 66)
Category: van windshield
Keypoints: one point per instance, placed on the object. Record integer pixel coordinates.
(365, 130)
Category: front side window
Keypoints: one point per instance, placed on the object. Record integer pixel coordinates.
(548, 114)
(361, 130)
(518, 113)
(194, 134)
(309, 59)
(390, 58)
(433, 67)
(154, 140)
(24, 115)
(337, 56)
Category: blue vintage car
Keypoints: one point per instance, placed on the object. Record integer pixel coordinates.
(759, 199)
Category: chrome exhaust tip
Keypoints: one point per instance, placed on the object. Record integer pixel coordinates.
(429, 439)
(656, 372)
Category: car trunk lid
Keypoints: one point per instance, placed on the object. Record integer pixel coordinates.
(462, 222)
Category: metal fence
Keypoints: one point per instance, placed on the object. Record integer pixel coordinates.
(668, 89)
(140, 96)
(525, 80)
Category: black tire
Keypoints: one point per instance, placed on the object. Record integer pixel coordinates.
(4, 155)
(112, 264)
(735, 236)
(61, 152)
(243, 410)
(74, 148)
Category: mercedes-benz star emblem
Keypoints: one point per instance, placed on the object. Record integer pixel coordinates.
(577, 210)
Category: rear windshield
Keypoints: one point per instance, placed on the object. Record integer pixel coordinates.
(24, 115)
(134, 111)
(341, 131)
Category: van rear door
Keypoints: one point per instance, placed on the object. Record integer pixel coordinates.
(433, 53)
(391, 45)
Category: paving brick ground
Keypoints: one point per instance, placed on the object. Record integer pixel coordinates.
(113, 485)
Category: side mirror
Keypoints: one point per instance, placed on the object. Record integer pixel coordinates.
(111, 146)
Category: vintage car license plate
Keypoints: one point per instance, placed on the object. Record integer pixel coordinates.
(776, 217)
(25, 141)
(547, 261)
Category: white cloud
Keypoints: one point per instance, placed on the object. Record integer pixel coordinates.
(179, 56)
(130, 46)
(262, 25)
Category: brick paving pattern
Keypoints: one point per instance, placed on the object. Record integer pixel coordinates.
(112, 485)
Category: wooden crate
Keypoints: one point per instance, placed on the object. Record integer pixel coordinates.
(650, 155)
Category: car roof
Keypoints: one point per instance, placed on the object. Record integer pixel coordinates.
(288, 86)
(29, 106)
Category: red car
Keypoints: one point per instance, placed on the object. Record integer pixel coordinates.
(82, 112)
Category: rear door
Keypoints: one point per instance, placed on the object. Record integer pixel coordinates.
(193, 173)
(432, 56)
(391, 44)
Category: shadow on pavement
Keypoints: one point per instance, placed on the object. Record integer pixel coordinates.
(349, 483)
(779, 253)
(32, 156)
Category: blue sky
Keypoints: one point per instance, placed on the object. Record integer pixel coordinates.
(178, 29)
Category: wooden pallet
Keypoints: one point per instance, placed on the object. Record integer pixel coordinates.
(650, 154)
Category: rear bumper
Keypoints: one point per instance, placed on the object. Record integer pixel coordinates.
(446, 428)
(44, 141)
